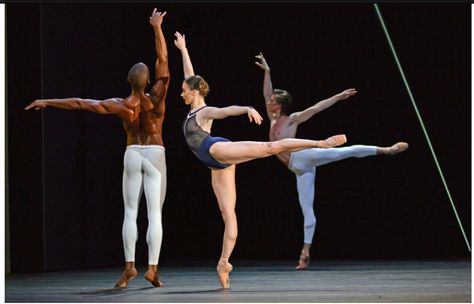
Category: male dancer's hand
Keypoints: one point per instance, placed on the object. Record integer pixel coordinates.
(37, 104)
(346, 94)
(156, 18)
(263, 63)
(180, 41)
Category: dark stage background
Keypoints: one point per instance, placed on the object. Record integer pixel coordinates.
(65, 167)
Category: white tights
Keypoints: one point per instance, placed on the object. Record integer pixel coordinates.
(303, 163)
(144, 170)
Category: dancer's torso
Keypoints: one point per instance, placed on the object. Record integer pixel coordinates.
(144, 121)
(280, 129)
(194, 132)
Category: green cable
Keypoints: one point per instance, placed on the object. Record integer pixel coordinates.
(421, 122)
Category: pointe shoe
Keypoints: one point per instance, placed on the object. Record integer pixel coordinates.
(127, 275)
(397, 148)
(334, 141)
(303, 263)
(153, 279)
(223, 274)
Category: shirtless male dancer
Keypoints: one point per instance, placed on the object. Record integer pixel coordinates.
(303, 163)
(142, 115)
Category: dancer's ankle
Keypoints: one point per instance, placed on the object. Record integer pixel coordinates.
(152, 268)
(129, 266)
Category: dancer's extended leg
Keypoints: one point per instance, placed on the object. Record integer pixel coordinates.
(242, 151)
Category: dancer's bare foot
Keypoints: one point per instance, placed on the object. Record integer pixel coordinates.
(333, 141)
(396, 148)
(152, 276)
(303, 263)
(223, 270)
(127, 275)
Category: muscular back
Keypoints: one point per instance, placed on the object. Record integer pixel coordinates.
(145, 114)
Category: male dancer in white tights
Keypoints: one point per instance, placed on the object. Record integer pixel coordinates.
(144, 160)
(304, 163)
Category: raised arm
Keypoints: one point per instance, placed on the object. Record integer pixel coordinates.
(267, 81)
(180, 43)
(220, 113)
(300, 117)
(162, 73)
(108, 106)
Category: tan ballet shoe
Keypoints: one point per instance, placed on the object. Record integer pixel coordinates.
(303, 263)
(397, 148)
(223, 273)
(127, 275)
(153, 279)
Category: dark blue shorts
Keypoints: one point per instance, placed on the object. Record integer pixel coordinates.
(205, 157)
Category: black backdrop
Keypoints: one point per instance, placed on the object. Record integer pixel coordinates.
(65, 167)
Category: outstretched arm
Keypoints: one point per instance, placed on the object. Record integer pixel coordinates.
(267, 81)
(180, 43)
(300, 117)
(108, 106)
(162, 73)
(221, 113)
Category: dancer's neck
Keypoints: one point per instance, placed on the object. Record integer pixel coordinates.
(275, 115)
(138, 93)
(196, 104)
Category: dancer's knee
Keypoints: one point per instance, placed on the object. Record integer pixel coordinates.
(309, 221)
(130, 216)
(228, 215)
(154, 219)
(272, 148)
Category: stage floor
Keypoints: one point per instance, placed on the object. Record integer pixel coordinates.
(259, 281)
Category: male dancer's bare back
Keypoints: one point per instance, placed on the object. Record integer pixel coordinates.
(142, 117)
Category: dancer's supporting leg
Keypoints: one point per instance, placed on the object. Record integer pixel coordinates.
(223, 183)
(154, 167)
(132, 189)
(305, 187)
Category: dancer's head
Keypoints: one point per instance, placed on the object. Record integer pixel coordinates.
(280, 101)
(138, 76)
(194, 87)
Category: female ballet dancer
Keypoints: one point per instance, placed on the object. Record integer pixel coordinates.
(221, 155)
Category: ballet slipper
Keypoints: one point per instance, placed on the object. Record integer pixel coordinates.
(223, 273)
(153, 279)
(303, 263)
(397, 148)
(127, 275)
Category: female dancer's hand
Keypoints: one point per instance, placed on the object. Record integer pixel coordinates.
(180, 41)
(263, 63)
(254, 116)
(346, 94)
